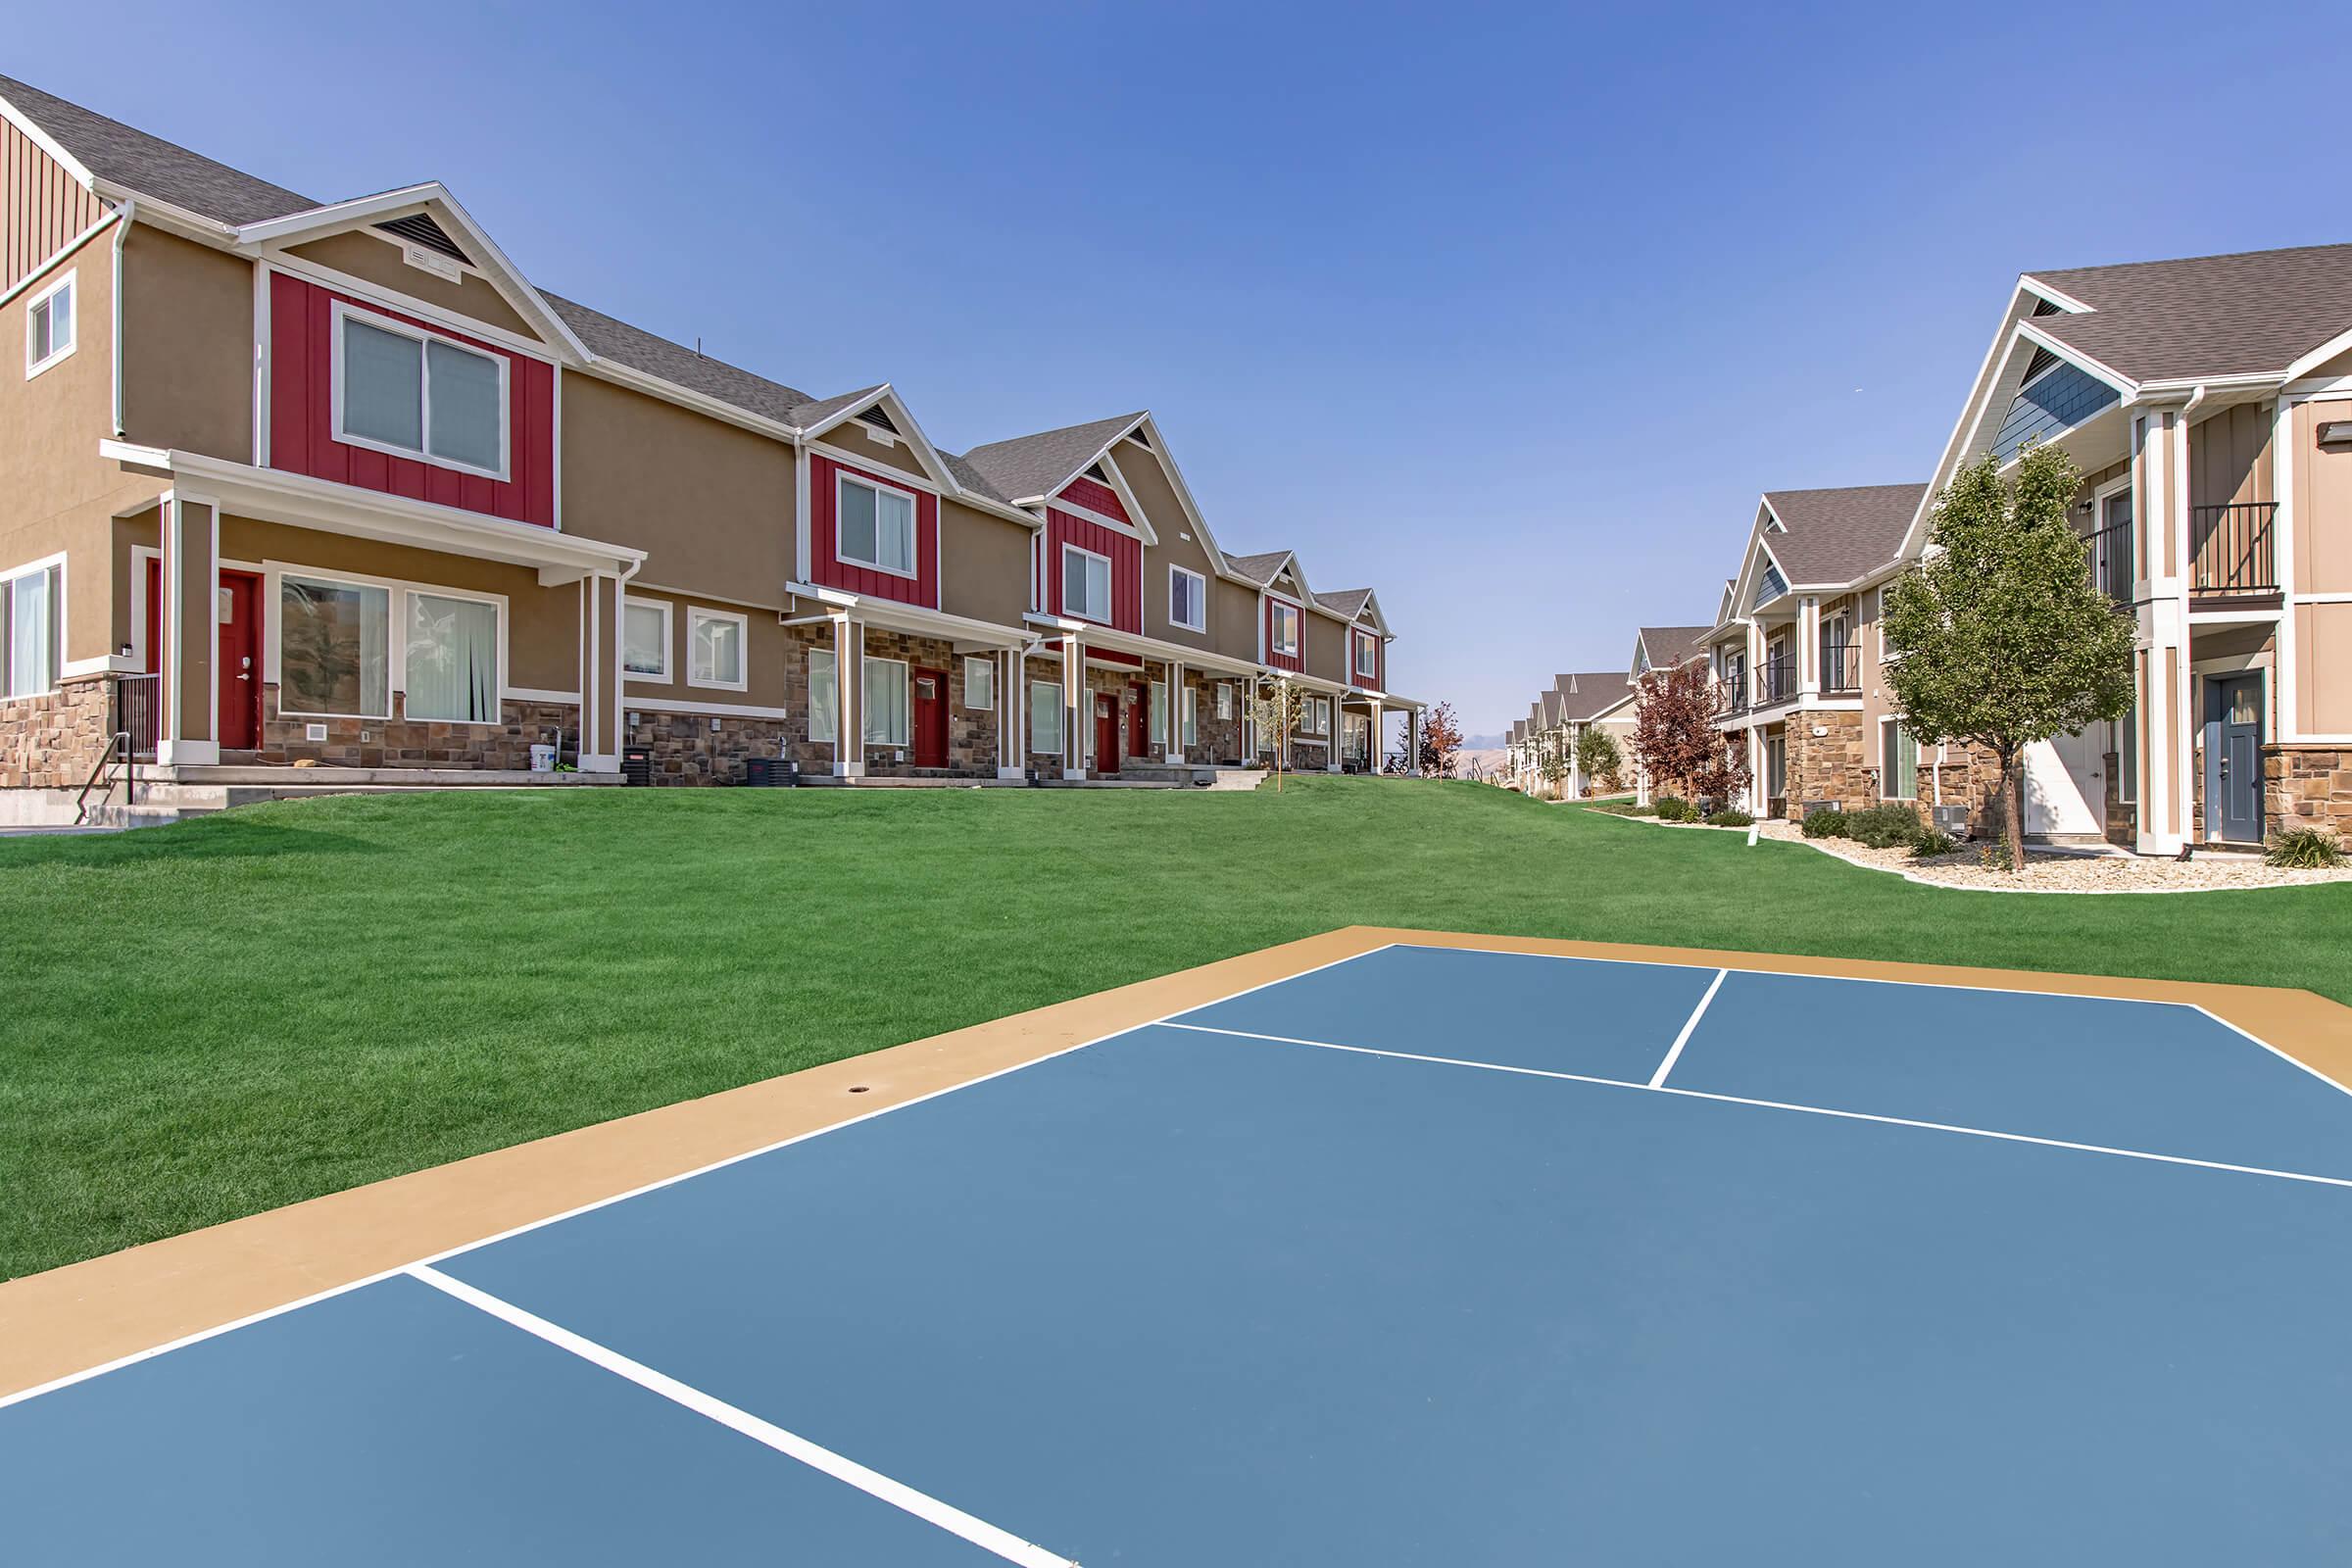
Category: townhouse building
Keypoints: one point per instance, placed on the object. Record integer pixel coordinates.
(288, 481)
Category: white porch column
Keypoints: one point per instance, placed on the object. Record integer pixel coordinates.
(1331, 732)
(601, 705)
(1413, 740)
(1012, 713)
(1073, 702)
(2167, 688)
(1808, 646)
(190, 688)
(848, 693)
(1378, 755)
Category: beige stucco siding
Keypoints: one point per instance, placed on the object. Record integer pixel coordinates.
(765, 645)
(187, 347)
(373, 261)
(1233, 618)
(1179, 545)
(852, 438)
(984, 564)
(709, 502)
(1324, 642)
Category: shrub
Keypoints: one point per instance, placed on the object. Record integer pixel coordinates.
(1933, 842)
(1825, 824)
(1674, 809)
(2303, 849)
(1730, 818)
(1885, 827)
(1624, 808)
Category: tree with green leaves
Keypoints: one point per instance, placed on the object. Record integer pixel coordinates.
(1998, 638)
(1275, 707)
(1596, 755)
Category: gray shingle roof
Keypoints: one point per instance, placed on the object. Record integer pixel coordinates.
(1348, 602)
(823, 408)
(1259, 569)
(1588, 692)
(612, 339)
(1035, 464)
(1551, 707)
(1839, 535)
(1668, 646)
(2251, 312)
(152, 166)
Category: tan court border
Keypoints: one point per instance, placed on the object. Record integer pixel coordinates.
(87, 1314)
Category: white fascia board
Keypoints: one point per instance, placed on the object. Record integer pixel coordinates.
(49, 145)
(1158, 448)
(912, 431)
(2066, 302)
(1120, 488)
(2115, 378)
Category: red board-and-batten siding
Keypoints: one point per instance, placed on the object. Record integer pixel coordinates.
(1094, 497)
(302, 416)
(46, 207)
(830, 571)
(1126, 553)
(1296, 661)
(1377, 680)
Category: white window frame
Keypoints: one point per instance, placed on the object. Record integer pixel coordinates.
(55, 655)
(1274, 608)
(1156, 713)
(67, 286)
(1192, 716)
(1366, 645)
(1110, 584)
(987, 669)
(831, 735)
(1044, 700)
(1225, 699)
(696, 614)
(403, 609)
(1199, 599)
(651, 677)
(396, 652)
(345, 311)
(1887, 724)
(865, 711)
(843, 479)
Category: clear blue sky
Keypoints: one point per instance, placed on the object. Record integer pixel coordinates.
(1509, 315)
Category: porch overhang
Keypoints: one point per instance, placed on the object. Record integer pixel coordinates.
(913, 620)
(1093, 635)
(299, 501)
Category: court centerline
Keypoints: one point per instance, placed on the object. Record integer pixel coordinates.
(883, 1489)
(1674, 1053)
(1774, 1105)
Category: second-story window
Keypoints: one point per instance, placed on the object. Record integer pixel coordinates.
(877, 528)
(49, 326)
(405, 391)
(1085, 585)
(1367, 657)
(1281, 628)
(1187, 599)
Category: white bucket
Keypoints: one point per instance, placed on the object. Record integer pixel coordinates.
(543, 758)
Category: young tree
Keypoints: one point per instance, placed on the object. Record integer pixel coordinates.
(1999, 637)
(1554, 769)
(1441, 738)
(1274, 708)
(1596, 755)
(1675, 739)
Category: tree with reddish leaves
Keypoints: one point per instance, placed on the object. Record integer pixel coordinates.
(1441, 738)
(1675, 739)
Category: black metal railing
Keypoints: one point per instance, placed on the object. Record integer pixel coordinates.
(2229, 548)
(102, 777)
(2111, 567)
(1731, 693)
(1776, 681)
(1840, 667)
(138, 710)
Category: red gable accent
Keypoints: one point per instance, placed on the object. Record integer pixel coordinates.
(830, 571)
(1126, 553)
(1378, 679)
(1296, 661)
(302, 416)
(1094, 497)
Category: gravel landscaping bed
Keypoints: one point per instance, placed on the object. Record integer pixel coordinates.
(2046, 871)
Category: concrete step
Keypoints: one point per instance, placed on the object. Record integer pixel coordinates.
(318, 779)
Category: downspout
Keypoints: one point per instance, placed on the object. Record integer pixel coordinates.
(124, 215)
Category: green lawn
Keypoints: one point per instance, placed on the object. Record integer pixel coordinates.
(208, 1021)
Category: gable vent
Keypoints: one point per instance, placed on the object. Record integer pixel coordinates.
(2041, 360)
(418, 228)
(1094, 471)
(1140, 439)
(2042, 306)
(879, 417)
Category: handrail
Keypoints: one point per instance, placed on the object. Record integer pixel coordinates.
(131, 766)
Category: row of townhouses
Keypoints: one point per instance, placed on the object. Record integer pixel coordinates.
(2208, 403)
(333, 483)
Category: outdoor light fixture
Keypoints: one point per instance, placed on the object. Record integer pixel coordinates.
(2335, 433)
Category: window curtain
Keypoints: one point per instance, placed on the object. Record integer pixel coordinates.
(465, 412)
(29, 634)
(1045, 716)
(451, 659)
(824, 698)
(1159, 713)
(885, 703)
(894, 531)
(383, 386)
(334, 644)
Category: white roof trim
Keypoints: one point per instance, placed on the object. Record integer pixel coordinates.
(49, 145)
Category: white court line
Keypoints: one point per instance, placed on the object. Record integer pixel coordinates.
(446, 1252)
(979, 1531)
(1780, 1105)
(1675, 1052)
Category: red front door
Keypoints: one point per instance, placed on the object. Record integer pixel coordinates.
(1139, 719)
(930, 718)
(240, 661)
(1106, 733)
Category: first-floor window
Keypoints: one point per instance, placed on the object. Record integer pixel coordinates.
(1159, 713)
(644, 639)
(1191, 716)
(824, 697)
(1045, 716)
(1225, 699)
(451, 659)
(28, 652)
(979, 683)
(885, 702)
(716, 640)
(1898, 780)
(334, 642)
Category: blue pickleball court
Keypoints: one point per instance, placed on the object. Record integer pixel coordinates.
(1429, 1256)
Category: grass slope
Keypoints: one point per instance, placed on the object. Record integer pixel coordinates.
(208, 1021)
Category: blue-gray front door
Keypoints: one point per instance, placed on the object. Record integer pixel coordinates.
(2234, 758)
